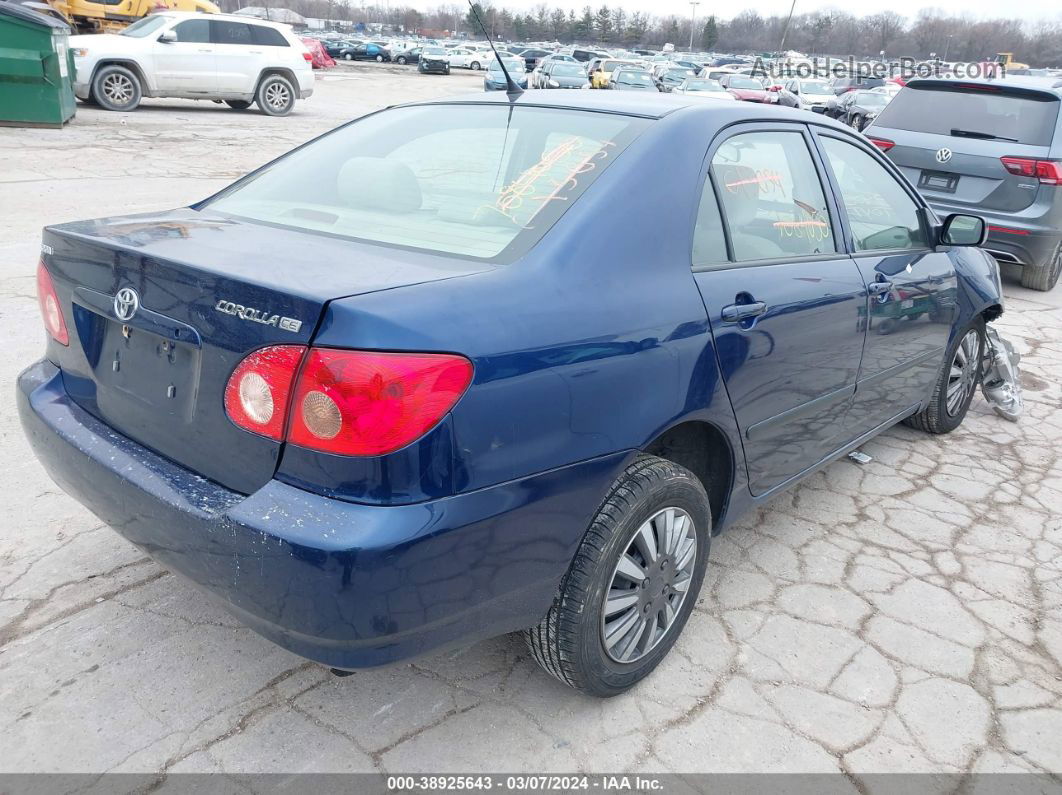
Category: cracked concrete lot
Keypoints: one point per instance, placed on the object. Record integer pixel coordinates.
(904, 615)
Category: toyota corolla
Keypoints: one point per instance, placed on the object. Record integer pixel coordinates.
(486, 397)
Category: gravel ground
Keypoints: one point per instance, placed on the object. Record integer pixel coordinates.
(902, 615)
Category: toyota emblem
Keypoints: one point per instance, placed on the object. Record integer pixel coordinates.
(943, 155)
(126, 302)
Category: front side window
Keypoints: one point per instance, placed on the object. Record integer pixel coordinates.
(772, 196)
(408, 177)
(881, 213)
(195, 31)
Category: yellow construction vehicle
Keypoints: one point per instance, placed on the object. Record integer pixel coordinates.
(111, 16)
(1006, 60)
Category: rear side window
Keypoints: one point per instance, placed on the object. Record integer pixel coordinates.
(225, 32)
(267, 37)
(881, 213)
(989, 114)
(772, 196)
(407, 177)
(196, 31)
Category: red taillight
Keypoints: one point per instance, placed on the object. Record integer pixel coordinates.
(884, 144)
(366, 403)
(1049, 172)
(307, 56)
(51, 310)
(256, 396)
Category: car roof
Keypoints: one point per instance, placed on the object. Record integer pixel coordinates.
(225, 17)
(1051, 85)
(651, 106)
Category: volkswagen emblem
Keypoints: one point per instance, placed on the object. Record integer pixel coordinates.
(943, 155)
(126, 302)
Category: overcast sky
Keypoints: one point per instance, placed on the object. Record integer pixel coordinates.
(985, 9)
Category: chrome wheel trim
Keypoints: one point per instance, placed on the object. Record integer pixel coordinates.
(118, 89)
(962, 375)
(277, 96)
(649, 585)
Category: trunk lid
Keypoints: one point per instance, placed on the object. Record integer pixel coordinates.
(208, 290)
(950, 138)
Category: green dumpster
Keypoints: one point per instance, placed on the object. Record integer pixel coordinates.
(36, 69)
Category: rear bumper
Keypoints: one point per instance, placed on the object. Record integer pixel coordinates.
(344, 584)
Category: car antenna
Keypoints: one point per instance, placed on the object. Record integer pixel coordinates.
(512, 90)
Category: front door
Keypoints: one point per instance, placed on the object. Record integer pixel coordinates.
(784, 300)
(186, 66)
(913, 288)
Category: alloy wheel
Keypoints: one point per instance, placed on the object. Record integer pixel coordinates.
(277, 96)
(118, 89)
(962, 377)
(649, 585)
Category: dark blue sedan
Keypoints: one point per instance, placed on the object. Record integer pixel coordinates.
(487, 396)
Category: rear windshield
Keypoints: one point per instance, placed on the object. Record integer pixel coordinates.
(409, 177)
(703, 85)
(987, 114)
(744, 82)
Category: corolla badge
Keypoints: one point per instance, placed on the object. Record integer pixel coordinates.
(257, 315)
(943, 155)
(126, 302)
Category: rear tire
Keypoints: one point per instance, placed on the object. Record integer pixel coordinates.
(275, 95)
(959, 372)
(654, 502)
(1043, 277)
(116, 88)
(379, 59)
(401, 60)
(474, 66)
(238, 104)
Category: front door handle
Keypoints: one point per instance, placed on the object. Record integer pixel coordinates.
(879, 288)
(736, 312)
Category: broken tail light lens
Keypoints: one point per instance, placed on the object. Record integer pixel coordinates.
(256, 395)
(51, 310)
(370, 403)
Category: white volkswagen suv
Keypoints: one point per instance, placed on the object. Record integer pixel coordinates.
(236, 59)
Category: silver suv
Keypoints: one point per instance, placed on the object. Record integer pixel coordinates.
(988, 147)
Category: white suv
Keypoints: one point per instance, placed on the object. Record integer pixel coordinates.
(236, 59)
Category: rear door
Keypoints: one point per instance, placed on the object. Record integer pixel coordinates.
(784, 299)
(913, 288)
(238, 57)
(949, 139)
(188, 65)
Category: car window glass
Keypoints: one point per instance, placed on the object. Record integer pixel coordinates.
(709, 242)
(225, 32)
(881, 213)
(267, 37)
(194, 30)
(772, 196)
(408, 177)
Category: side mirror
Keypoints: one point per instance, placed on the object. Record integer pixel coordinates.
(963, 230)
(168, 36)
(818, 108)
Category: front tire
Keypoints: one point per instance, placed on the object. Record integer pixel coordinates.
(348, 57)
(474, 66)
(1043, 277)
(379, 59)
(116, 88)
(956, 384)
(275, 96)
(401, 60)
(632, 584)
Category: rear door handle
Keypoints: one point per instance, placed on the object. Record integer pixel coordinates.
(879, 288)
(736, 312)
